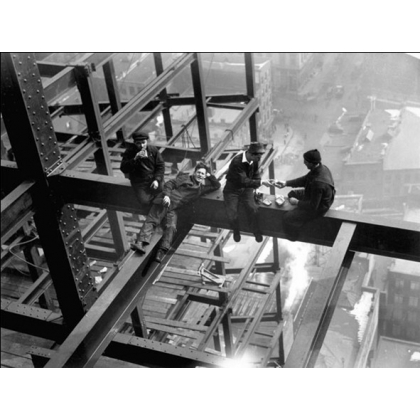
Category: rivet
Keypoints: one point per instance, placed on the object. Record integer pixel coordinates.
(28, 107)
(42, 97)
(55, 142)
(46, 158)
(37, 91)
(24, 91)
(32, 123)
(37, 129)
(29, 57)
(24, 80)
(53, 153)
(18, 74)
(14, 56)
(51, 128)
(33, 113)
(42, 106)
(39, 80)
(33, 74)
(20, 63)
(42, 154)
(46, 122)
(37, 138)
(42, 144)
(29, 97)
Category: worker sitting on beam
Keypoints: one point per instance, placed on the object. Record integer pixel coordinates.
(177, 193)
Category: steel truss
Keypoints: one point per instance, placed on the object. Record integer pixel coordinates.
(44, 184)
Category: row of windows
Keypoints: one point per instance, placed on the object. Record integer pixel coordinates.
(412, 316)
(414, 285)
(413, 301)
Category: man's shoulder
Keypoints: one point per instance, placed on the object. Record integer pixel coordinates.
(153, 149)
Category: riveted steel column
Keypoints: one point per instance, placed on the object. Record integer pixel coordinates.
(163, 96)
(200, 104)
(102, 157)
(31, 133)
(250, 90)
(113, 93)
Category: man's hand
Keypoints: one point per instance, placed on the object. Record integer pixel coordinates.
(154, 185)
(266, 182)
(280, 184)
(293, 201)
(166, 201)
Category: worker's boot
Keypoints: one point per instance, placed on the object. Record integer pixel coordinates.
(236, 236)
(138, 247)
(160, 255)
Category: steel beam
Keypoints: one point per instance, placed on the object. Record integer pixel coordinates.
(146, 95)
(200, 105)
(321, 305)
(163, 96)
(374, 235)
(102, 157)
(89, 339)
(65, 79)
(214, 99)
(250, 90)
(32, 136)
(220, 147)
(16, 208)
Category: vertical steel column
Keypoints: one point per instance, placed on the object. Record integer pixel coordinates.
(227, 333)
(113, 93)
(34, 261)
(137, 320)
(102, 157)
(200, 104)
(163, 96)
(250, 90)
(31, 133)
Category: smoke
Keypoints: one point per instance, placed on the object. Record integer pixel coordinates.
(298, 254)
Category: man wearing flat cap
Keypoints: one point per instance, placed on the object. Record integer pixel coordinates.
(314, 196)
(242, 178)
(144, 166)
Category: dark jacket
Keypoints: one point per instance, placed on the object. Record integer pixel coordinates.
(144, 170)
(319, 189)
(242, 175)
(184, 189)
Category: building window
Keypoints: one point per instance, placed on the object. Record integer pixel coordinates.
(415, 285)
(412, 317)
(413, 301)
(399, 283)
(397, 314)
(398, 299)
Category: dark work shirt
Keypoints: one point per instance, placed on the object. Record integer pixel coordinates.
(143, 170)
(242, 174)
(319, 189)
(185, 189)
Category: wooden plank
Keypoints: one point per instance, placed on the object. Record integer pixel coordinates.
(172, 323)
(173, 330)
(202, 256)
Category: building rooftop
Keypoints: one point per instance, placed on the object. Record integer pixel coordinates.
(371, 143)
(393, 353)
(404, 149)
(411, 268)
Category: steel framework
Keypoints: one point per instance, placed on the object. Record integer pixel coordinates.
(45, 184)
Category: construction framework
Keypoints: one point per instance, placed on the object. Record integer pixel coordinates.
(64, 187)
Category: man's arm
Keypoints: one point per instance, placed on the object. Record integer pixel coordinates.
(128, 162)
(159, 167)
(211, 184)
(316, 196)
(244, 179)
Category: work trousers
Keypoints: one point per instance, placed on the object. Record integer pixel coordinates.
(243, 197)
(156, 215)
(144, 193)
(294, 219)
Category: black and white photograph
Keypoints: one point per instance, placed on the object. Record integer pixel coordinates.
(192, 214)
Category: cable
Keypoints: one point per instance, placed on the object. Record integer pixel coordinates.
(27, 262)
(23, 259)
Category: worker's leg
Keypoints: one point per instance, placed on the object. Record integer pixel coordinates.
(169, 230)
(231, 200)
(251, 210)
(156, 214)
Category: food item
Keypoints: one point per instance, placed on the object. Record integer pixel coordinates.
(267, 202)
(280, 200)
